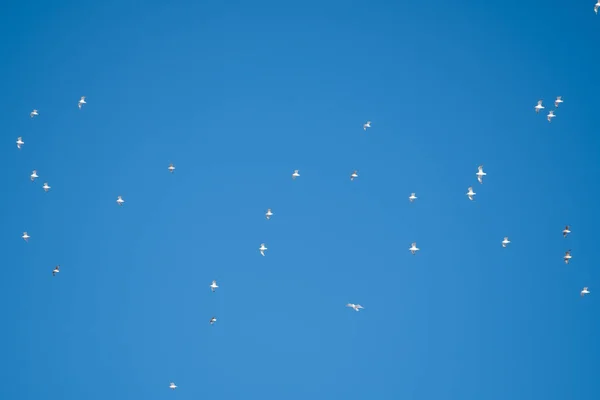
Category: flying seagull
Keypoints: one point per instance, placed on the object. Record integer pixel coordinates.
(505, 241)
(566, 231)
(81, 102)
(585, 290)
(25, 236)
(412, 197)
(46, 187)
(269, 214)
(172, 386)
(356, 307)
(262, 249)
(213, 320)
(413, 248)
(539, 107)
(34, 113)
(596, 7)
(120, 200)
(55, 270)
(34, 175)
(567, 256)
(20, 142)
(213, 286)
(471, 193)
(558, 101)
(354, 175)
(171, 168)
(367, 125)
(295, 174)
(480, 174)
(550, 116)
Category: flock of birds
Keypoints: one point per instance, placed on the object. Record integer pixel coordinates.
(480, 174)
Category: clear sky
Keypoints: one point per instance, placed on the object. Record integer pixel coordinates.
(239, 94)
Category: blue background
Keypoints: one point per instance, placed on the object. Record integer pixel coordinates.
(239, 94)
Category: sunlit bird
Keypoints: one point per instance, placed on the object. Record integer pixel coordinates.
(120, 201)
(559, 99)
(480, 174)
(585, 290)
(596, 7)
(171, 168)
(269, 214)
(550, 116)
(413, 248)
(354, 175)
(172, 386)
(539, 106)
(46, 187)
(262, 249)
(295, 174)
(20, 142)
(34, 175)
(25, 237)
(355, 307)
(567, 256)
(81, 102)
(412, 197)
(367, 125)
(34, 113)
(56, 270)
(213, 286)
(471, 193)
(213, 320)
(566, 231)
(505, 241)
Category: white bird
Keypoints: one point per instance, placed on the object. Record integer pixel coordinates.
(567, 256)
(269, 214)
(46, 187)
(550, 116)
(471, 193)
(412, 197)
(354, 175)
(539, 106)
(585, 290)
(25, 236)
(480, 174)
(55, 270)
(367, 125)
(356, 307)
(295, 174)
(172, 386)
(20, 142)
(596, 7)
(33, 113)
(559, 99)
(505, 241)
(566, 231)
(81, 102)
(171, 168)
(34, 175)
(413, 248)
(120, 200)
(262, 249)
(213, 286)
(213, 320)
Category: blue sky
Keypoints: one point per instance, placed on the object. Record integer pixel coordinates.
(239, 94)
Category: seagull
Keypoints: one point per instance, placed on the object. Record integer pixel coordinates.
(33, 113)
(262, 249)
(505, 241)
(566, 231)
(213, 286)
(558, 100)
(269, 214)
(46, 187)
(539, 106)
(480, 174)
(171, 168)
(413, 249)
(120, 200)
(354, 175)
(367, 125)
(55, 270)
(471, 193)
(585, 290)
(295, 174)
(34, 175)
(81, 102)
(550, 116)
(412, 197)
(596, 7)
(567, 256)
(20, 142)
(172, 386)
(356, 307)
(213, 320)
(25, 236)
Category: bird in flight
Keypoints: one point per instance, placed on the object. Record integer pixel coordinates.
(25, 237)
(55, 270)
(81, 102)
(596, 7)
(367, 125)
(213, 320)
(354, 175)
(505, 241)
(558, 101)
(412, 197)
(567, 256)
(355, 307)
(171, 168)
(585, 290)
(20, 142)
(34, 113)
(262, 249)
(480, 174)
(269, 214)
(46, 187)
(471, 193)
(213, 286)
(539, 106)
(172, 386)
(34, 175)
(550, 116)
(120, 200)
(295, 174)
(413, 248)
(566, 231)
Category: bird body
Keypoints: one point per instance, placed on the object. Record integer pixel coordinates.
(413, 248)
(585, 290)
(566, 231)
(539, 106)
(25, 236)
(213, 286)
(56, 270)
(367, 125)
(551, 115)
(412, 197)
(295, 174)
(34, 113)
(567, 256)
(480, 174)
(120, 201)
(81, 102)
(269, 214)
(505, 241)
(355, 307)
(20, 142)
(471, 193)
(354, 175)
(262, 249)
(46, 187)
(171, 168)
(558, 100)
(34, 175)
